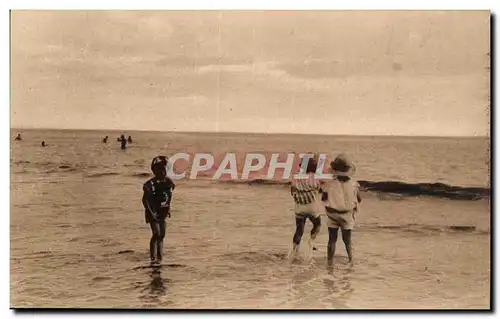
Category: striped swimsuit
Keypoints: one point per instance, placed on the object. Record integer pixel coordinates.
(307, 195)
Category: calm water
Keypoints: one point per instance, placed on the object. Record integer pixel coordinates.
(78, 234)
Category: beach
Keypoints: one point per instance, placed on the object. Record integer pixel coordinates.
(79, 239)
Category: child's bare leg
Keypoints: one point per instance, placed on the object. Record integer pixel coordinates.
(316, 226)
(161, 236)
(346, 237)
(316, 221)
(332, 241)
(153, 242)
(299, 231)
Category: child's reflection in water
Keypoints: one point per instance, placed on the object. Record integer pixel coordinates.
(338, 286)
(156, 288)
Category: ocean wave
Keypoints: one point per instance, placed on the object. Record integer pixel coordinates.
(425, 229)
(394, 190)
(103, 174)
(48, 166)
(253, 256)
(38, 164)
(141, 175)
(410, 228)
(428, 189)
(22, 162)
(58, 170)
(259, 181)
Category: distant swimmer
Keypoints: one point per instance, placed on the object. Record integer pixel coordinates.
(18, 137)
(105, 140)
(156, 199)
(43, 144)
(129, 139)
(306, 193)
(341, 203)
(123, 140)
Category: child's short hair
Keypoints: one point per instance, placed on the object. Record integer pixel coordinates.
(311, 165)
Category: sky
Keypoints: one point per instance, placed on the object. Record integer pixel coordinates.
(309, 72)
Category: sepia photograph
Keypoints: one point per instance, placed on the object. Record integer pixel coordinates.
(250, 160)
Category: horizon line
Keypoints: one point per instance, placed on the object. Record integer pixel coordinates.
(258, 133)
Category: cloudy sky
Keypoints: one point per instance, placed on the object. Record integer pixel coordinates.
(401, 73)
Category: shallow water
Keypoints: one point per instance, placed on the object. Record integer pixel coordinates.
(78, 237)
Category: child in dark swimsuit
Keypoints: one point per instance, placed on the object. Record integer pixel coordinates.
(156, 200)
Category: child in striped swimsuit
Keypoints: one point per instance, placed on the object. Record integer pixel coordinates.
(306, 193)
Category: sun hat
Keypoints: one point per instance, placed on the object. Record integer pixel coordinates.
(342, 166)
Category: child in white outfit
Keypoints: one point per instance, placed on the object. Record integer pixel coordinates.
(341, 204)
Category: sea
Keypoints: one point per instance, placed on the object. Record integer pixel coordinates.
(78, 237)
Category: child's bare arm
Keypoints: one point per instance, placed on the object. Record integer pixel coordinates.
(146, 201)
(358, 194)
(144, 198)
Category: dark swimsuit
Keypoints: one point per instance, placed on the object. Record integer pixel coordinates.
(157, 198)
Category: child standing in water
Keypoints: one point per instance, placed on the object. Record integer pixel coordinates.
(156, 201)
(306, 193)
(341, 203)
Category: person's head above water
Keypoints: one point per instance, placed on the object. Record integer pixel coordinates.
(159, 166)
